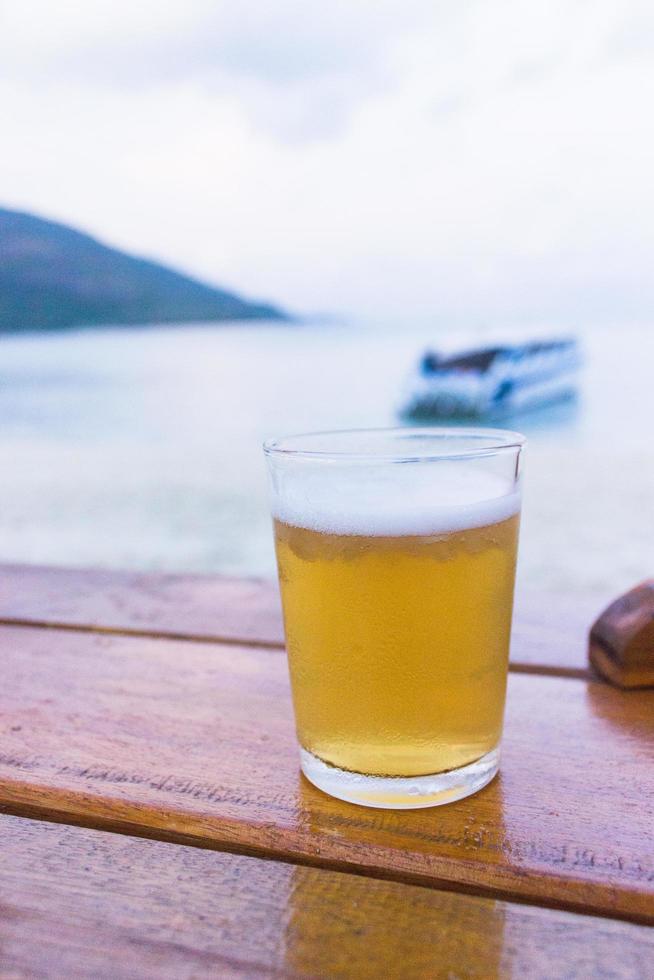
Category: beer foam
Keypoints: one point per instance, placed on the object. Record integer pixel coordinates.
(397, 507)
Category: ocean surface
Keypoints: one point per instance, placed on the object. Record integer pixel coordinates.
(141, 448)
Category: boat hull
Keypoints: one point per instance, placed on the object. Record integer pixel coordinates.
(507, 399)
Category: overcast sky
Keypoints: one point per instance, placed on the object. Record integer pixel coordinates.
(462, 159)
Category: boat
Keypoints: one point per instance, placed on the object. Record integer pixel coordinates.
(492, 381)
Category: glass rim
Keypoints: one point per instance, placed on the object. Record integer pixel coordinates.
(297, 446)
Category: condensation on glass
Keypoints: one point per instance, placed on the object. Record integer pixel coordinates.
(396, 552)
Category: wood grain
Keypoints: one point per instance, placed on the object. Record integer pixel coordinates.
(85, 903)
(550, 633)
(194, 743)
(202, 607)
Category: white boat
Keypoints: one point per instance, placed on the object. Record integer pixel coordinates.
(492, 381)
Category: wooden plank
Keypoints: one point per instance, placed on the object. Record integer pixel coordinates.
(550, 630)
(194, 743)
(201, 607)
(85, 903)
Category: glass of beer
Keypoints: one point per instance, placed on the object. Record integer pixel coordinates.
(396, 551)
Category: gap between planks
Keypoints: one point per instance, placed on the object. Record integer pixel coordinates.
(143, 633)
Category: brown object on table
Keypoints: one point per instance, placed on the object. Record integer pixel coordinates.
(621, 646)
(158, 707)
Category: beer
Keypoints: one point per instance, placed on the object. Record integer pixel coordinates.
(398, 642)
(396, 551)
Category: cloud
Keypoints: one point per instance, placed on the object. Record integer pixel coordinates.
(633, 37)
(459, 160)
(298, 68)
(533, 72)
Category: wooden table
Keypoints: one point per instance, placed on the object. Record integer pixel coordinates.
(154, 821)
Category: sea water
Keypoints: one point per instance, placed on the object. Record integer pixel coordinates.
(141, 448)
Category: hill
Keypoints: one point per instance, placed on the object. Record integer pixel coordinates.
(53, 276)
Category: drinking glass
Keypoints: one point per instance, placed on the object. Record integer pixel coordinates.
(396, 551)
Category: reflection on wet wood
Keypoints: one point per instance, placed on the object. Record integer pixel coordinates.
(85, 903)
(194, 743)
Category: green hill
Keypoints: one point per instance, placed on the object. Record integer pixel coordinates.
(52, 276)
